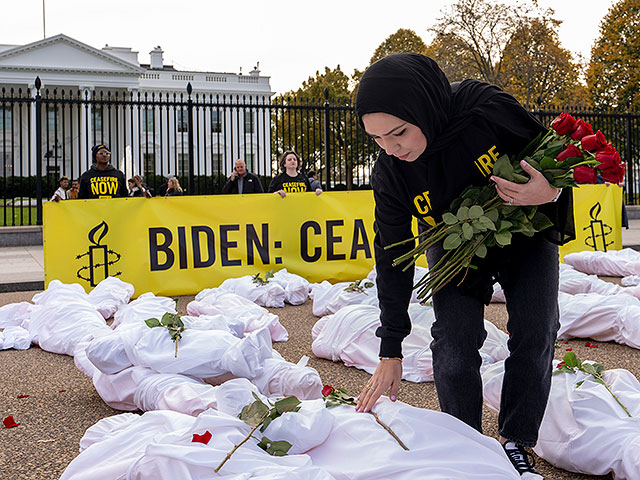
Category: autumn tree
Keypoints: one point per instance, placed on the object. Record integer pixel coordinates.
(535, 68)
(613, 75)
(402, 41)
(449, 52)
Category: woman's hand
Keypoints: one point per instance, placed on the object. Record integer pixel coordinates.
(387, 375)
(282, 193)
(535, 192)
(318, 191)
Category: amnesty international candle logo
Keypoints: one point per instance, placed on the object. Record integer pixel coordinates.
(99, 257)
(598, 231)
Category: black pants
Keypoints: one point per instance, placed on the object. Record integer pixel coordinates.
(530, 283)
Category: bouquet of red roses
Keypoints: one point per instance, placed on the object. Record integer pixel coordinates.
(569, 153)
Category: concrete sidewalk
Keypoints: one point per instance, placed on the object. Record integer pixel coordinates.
(22, 268)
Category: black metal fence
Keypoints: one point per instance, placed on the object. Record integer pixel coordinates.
(45, 134)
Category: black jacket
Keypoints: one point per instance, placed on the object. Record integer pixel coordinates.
(299, 183)
(250, 184)
(109, 183)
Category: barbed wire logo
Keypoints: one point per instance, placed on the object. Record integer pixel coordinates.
(598, 229)
(100, 257)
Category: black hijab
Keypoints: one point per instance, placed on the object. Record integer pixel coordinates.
(413, 88)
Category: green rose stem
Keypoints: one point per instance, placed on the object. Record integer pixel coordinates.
(616, 398)
(228, 456)
(391, 432)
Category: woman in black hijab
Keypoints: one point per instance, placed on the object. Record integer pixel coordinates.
(436, 141)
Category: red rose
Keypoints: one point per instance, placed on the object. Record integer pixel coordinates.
(569, 349)
(570, 152)
(591, 143)
(327, 390)
(608, 157)
(9, 422)
(614, 174)
(564, 124)
(584, 174)
(204, 438)
(582, 129)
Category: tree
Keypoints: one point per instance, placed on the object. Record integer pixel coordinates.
(536, 69)
(613, 75)
(449, 52)
(403, 41)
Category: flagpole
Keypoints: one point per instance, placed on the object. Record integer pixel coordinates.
(44, 25)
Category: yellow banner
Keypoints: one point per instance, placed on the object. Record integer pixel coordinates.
(181, 245)
(597, 210)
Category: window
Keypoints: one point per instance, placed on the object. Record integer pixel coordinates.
(216, 121)
(216, 162)
(248, 159)
(149, 164)
(96, 119)
(147, 120)
(6, 163)
(248, 121)
(182, 120)
(183, 164)
(52, 118)
(6, 118)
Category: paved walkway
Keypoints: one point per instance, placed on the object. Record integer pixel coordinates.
(22, 268)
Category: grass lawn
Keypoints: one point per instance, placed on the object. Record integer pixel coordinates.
(16, 216)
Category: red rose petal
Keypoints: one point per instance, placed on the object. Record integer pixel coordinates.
(566, 341)
(22, 396)
(569, 349)
(593, 345)
(9, 422)
(61, 391)
(588, 344)
(327, 390)
(204, 438)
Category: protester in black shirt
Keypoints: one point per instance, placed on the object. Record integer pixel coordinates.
(290, 180)
(435, 142)
(242, 181)
(102, 180)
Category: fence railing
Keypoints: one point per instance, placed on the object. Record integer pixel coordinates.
(48, 133)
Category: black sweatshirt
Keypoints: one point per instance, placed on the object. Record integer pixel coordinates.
(299, 183)
(425, 188)
(109, 183)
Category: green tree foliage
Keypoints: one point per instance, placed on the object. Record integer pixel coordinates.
(536, 69)
(449, 51)
(613, 75)
(402, 41)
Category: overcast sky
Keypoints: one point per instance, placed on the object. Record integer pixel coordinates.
(291, 39)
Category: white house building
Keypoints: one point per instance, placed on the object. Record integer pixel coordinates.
(106, 95)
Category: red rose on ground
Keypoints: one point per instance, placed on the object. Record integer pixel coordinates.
(22, 396)
(327, 390)
(584, 174)
(608, 157)
(9, 422)
(569, 349)
(582, 129)
(570, 152)
(591, 143)
(614, 174)
(204, 438)
(564, 124)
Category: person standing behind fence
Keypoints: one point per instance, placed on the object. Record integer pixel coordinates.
(173, 189)
(241, 181)
(61, 192)
(313, 180)
(72, 193)
(102, 180)
(290, 180)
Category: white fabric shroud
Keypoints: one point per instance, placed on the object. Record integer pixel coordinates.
(630, 280)
(254, 317)
(326, 443)
(142, 308)
(349, 336)
(296, 288)
(615, 263)
(269, 295)
(584, 429)
(16, 314)
(601, 317)
(15, 337)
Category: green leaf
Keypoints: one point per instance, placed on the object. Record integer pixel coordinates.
(254, 412)
(452, 241)
(487, 223)
(152, 322)
(481, 251)
(571, 360)
(286, 404)
(449, 218)
(467, 231)
(588, 368)
(476, 212)
(599, 368)
(503, 238)
(463, 213)
(492, 215)
(553, 151)
(520, 178)
(547, 163)
(541, 222)
(504, 225)
(579, 384)
(278, 448)
(503, 168)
